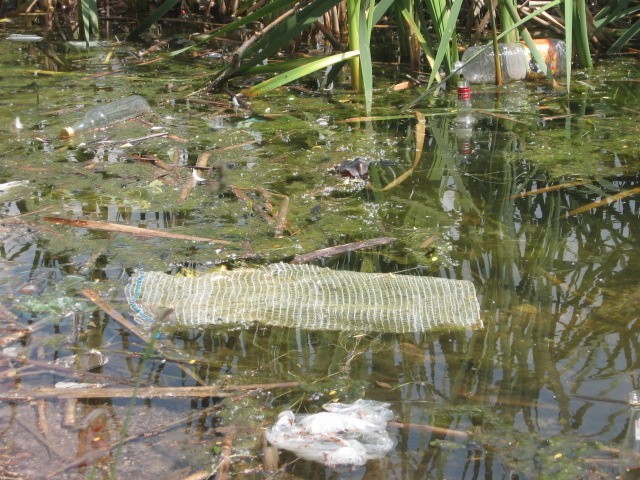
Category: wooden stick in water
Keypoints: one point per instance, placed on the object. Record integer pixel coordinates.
(116, 315)
(457, 434)
(119, 228)
(142, 392)
(551, 188)
(340, 249)
(202, 163)
(605, 201)
(281, 218)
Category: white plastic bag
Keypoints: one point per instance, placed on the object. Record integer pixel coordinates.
(344, 435)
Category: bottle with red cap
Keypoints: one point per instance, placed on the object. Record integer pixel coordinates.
(464, 118)
(464, 121)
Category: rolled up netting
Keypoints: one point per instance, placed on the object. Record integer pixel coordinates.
(306, 296)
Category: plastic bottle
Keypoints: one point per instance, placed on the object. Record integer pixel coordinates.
(464, 141)
(464, 121)
(515, 59)
(108, 114)
(464, 117)
(630, 449)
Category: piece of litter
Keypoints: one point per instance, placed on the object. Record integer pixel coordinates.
(74, 385)
(19, 37)
(347, 435)
(8, 185)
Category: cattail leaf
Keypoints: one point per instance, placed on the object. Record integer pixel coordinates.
(298, 72)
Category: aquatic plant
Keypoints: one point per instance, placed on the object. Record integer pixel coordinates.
(426, 29)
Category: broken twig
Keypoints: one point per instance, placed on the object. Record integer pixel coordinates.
(141, 392)
(421, 127)
(340, 249)
(116, 315)
(457, 434)
(605, 201)
(203, 160)
(140, 232)
(551, 188)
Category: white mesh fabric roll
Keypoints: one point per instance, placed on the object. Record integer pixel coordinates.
(309, 297)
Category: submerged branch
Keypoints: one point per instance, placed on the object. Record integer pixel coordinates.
(340, 249)
(421, 127)
(141, 392)
(140, 232)
(201, 164)
(605, 201)
(116, 315)
(551, 188)
(457, 434)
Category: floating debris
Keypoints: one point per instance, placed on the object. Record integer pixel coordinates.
(345, 435)
(9, 185)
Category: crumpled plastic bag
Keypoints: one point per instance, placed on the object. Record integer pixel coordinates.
(345, 435)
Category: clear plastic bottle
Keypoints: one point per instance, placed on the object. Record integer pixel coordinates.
(464, 117)
(515, 59)
(464, 141)
(122, 109)
(630, 449)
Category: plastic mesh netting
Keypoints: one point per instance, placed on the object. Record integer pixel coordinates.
(306, 296)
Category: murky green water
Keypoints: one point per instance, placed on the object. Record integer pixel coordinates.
(537, 393)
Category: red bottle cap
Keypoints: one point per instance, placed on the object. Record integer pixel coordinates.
(464, 92)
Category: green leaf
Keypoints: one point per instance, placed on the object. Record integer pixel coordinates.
(583, 34)
(279, 67)
(153, 18)
(380, 9)
(353, 17)
(265, 11)
(90, 19)
(426, 48)
(624, 38)
(445, 39)
(298, 72)
(568, 28)
(280, 36)
(366, 65)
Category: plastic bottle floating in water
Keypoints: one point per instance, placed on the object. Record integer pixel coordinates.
(516, 60)
(108, 114)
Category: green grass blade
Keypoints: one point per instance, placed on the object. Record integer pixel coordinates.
(426, 48)
(445, 39)
(90, 19)
(298, 72)
(353, 18)
(279, 67)
(280, 36)
(583, 34)
(624, 38)
(507, 20)
(568, 39)
(600, 23)
(268, 9)
(153, 18)
(380, 9)
(612, 11)
(366, 64)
